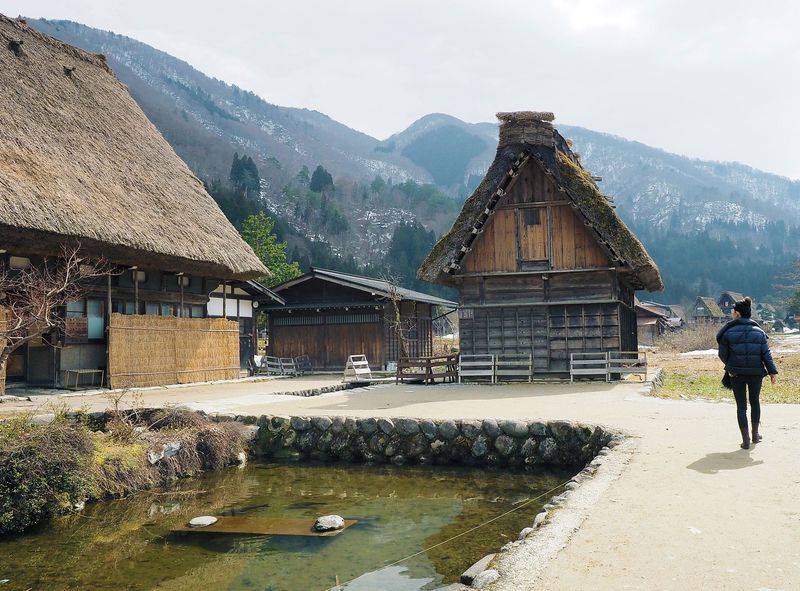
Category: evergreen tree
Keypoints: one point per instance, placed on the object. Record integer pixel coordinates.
(320, 180)
(258, 232)
(303, 177)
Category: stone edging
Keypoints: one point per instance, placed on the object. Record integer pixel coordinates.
(408, 440)
(519, 564)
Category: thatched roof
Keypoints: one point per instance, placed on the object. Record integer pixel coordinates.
(80, 161)
(530, 137)
(710, 304)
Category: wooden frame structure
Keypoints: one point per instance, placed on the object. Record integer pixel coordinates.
(543, 264)
(329, 315)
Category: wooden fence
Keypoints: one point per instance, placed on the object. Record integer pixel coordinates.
(2, 344)
(160, 350)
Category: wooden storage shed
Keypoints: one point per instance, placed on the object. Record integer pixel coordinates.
(330, 315)
(543, 264)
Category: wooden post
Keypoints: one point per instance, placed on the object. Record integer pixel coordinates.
(180, 281)
(224, 300)
(108, 333)
(135, 272)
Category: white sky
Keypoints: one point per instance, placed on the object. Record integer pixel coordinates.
(717, 79)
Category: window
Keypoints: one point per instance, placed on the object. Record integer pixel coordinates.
(167, 310)
(198, 311)
(532, 217)
(96, 317)
(76, 308)
(123, 307)
(151, 308)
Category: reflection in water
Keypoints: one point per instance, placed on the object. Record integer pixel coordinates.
(401, 510)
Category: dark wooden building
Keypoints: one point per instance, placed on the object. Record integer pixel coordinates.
(543, 263)
(726, 301)
(330, 315)
(706, 309)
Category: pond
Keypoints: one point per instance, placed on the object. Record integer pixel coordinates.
(128, 544)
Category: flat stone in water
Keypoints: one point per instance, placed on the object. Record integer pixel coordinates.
(203, 521)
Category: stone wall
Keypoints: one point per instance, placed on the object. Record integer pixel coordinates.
(426, 441)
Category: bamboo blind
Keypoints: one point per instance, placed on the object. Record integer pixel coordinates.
(160, 350)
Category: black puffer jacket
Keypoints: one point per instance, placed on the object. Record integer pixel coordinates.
(744, 350)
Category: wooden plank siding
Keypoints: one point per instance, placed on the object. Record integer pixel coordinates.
(534, 228)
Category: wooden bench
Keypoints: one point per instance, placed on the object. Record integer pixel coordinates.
(288, 367)
(625, 363)
(589, 365)
(303, 365)
(476, 366)
(427, 369)
(78, 373)
(511, 365)
(270, 365)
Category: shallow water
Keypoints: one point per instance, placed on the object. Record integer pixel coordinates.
(127, 544)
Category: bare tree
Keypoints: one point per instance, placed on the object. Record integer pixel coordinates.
(402, 328)
(32, 299)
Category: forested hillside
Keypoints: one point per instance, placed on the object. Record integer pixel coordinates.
(343, 199)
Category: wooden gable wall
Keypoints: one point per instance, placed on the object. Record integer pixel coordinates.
(534, 228)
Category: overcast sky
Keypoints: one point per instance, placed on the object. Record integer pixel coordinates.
(717, 79)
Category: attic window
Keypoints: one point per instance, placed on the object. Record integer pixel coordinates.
(532, 217)
(19, 263)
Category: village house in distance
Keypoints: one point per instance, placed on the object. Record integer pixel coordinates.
(82, 164)
(543, 264)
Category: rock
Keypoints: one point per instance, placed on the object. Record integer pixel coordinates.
(416, 445)
(203, 521)
(328, 523)
(505, 445)
(406, 426)
(325, 440)
(470, 428)
(250, 432)
(548, 449)
(79, 506)
(289, 438)
(514, 428)
(301, 423)
(537, 429)
(438, 447)
(167, 450)
(469, 575)
(539, 519)
(241, 458)
(351, 425)
(572, 485)
(529, 448)
(278, 423)
(305, 441)
(43, 419)
(386, 425)
(367, 426)
(486, 578)
(480, 447)
(398, 460)
(491, 428)
(448, 429)
(525, 533)
(337, 425)
(428, 428)
(322, 423)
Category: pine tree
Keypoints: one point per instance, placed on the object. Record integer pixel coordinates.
(320, 180)
(258, 232)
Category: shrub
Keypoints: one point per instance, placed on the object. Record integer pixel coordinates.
(44, 470)
(695, 337)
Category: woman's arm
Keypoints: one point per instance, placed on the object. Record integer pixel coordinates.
(766, 358)
(723, 348)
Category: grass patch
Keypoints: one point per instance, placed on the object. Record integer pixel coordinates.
(690, 378)
(48, 469)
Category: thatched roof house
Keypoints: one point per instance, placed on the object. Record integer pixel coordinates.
(544, 266)
(79, 160)
(530, 136)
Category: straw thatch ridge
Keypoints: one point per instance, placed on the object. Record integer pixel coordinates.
(530, 137)
(79, 161)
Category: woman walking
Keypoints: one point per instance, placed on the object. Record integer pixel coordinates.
(744, 350)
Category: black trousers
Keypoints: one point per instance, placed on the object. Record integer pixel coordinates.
(741, 384)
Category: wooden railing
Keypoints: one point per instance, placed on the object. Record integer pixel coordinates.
(427, 369)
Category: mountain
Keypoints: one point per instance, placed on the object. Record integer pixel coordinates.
(709, 225)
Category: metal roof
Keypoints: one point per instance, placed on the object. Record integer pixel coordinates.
(379, 287)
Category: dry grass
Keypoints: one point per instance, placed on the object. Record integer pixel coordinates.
(701, 377)
(695, 337)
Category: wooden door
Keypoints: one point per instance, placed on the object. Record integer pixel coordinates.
(532, 228)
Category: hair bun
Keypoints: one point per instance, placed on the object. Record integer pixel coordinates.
(748, 300)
